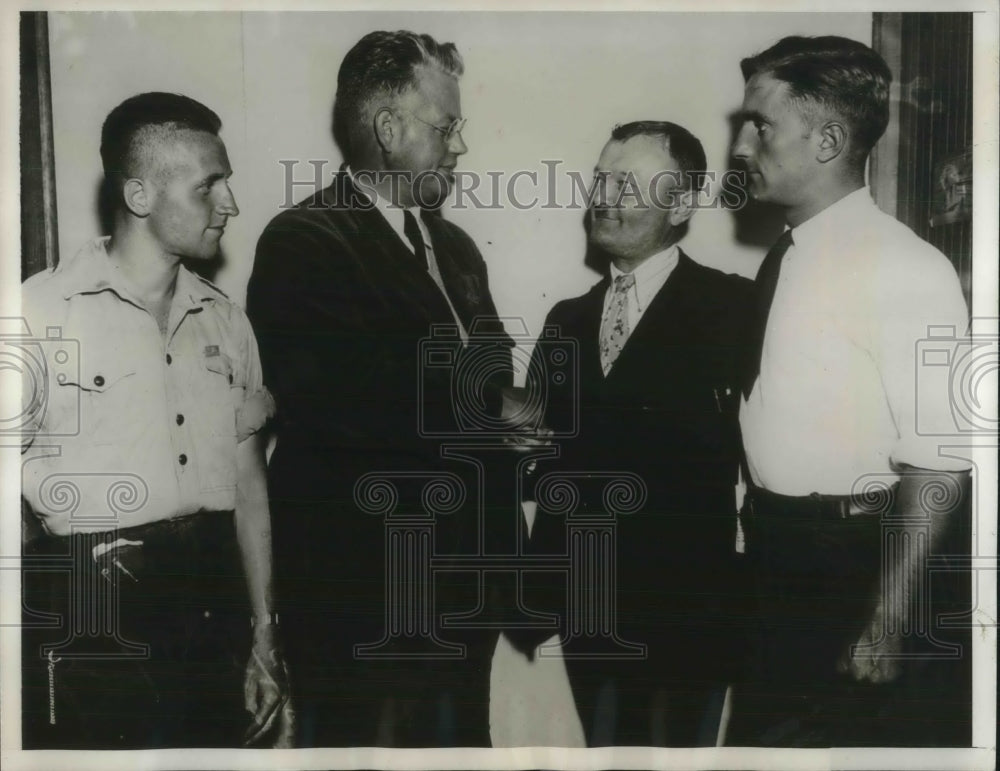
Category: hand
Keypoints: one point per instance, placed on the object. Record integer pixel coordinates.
(523, 429)
(266, 692)
(524, 439)
(877, 655)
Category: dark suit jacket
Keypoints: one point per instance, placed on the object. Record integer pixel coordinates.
(667, 411)
(340, 307)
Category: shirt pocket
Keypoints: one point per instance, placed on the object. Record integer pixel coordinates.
(218, 403)
(103, 395)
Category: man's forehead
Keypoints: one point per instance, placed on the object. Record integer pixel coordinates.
(635, 152)
(178, 150)
(435, 87)
(764, 89)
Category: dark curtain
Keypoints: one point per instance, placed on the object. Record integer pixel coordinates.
(935, 126)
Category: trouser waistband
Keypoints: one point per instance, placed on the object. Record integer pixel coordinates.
(764, 503)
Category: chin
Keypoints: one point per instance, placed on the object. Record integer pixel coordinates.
(605, 244)
(432, 194)
(204, 255)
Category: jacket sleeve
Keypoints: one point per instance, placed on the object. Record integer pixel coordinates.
(306, 300)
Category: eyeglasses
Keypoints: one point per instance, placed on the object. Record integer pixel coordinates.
(449, 132)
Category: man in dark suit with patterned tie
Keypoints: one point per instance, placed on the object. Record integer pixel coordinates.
(345, 287)
(659, 343)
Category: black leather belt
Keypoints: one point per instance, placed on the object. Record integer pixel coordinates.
(763, 503)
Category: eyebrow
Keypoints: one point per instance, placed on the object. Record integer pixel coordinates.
(751, 115)
(213, 178)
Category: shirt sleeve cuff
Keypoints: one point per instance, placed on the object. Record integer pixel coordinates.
(921, 453)
(258, 408)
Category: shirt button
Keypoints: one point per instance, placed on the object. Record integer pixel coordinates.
(169, 359)
(182, 459)
(180, 420)
(98, 381)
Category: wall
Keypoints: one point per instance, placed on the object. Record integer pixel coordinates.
(538, 86)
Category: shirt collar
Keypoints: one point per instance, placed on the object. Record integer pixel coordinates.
(651, 274)
(816, 232)
(90, 271)
(393, 214)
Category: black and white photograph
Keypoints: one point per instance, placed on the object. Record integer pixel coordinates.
(565, 386)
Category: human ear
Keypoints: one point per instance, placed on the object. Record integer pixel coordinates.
(832, 141)
(136, 197)
(385, 127)
(684, 207)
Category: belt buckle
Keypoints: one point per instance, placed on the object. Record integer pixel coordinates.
(831, 506)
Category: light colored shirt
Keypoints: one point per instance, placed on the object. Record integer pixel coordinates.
(394, 215)
(126, 426)
(650, 276)
(844, 391)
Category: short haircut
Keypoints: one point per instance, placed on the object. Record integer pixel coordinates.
(379, 65)
(682, 145)
(846, 77)
(132, 129)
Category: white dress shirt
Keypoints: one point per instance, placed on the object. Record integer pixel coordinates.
(650, 276)
(394, 215)
(842, 379)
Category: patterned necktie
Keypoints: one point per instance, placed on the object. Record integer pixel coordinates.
(412, 231)
(614, 325)
(764, 286)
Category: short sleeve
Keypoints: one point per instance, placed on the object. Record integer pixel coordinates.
(922, 342)
(258, 406)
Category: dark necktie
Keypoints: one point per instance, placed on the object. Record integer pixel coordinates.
(764, 286)
(413, 233)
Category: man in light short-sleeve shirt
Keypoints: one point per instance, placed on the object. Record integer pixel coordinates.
(143, 465)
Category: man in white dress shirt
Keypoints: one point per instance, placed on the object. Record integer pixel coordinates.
(830, 404)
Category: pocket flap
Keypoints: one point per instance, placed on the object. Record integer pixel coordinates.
(96, 375)
(220, 364)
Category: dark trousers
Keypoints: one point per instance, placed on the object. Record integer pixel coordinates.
(630, 705)
(817, 578)
(334, 591)
(144, 645)
(817, 575)
(344, 700)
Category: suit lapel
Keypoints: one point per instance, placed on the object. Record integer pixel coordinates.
(465, 287)
(658, 323)
(393, 265)
(589, 335)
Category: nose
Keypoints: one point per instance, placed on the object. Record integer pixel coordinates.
(227, 203)
(741, 148)
(457, 144)
(605, 194)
